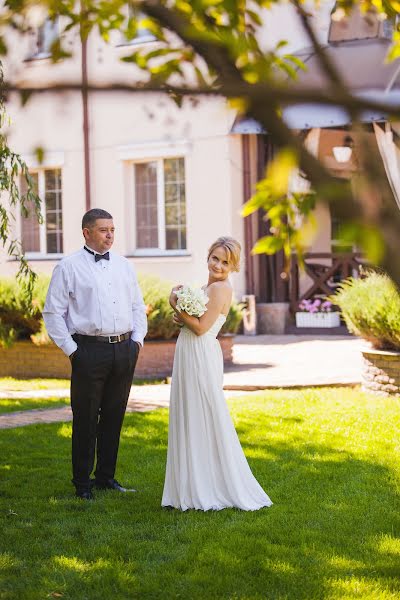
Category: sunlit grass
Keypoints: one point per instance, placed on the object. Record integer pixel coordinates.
(8, 384)
(329, 459)
(8, 405)
(18, 385)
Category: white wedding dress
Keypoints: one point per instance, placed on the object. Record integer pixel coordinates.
(206, 467)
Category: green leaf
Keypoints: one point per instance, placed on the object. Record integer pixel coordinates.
(39, 153)
(3, 46)
(280, 171)
(255, 17)
(251, 206)
(57, 51)
(268, 245)
(24, 96)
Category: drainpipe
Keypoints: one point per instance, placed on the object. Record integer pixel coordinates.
(85, 114)
(248, 224)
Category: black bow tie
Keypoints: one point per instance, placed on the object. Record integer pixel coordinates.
(98, 257)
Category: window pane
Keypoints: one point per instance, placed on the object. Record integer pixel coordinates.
(46, 36)
(175, 238)
(51, 221)
(30, 228)
(175, 203)
(146, 205)
(53, 200)
(52, 243)
(53, 179)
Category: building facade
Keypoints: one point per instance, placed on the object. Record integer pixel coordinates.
(174, 178)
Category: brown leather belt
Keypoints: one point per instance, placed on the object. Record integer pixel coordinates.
(110, 339)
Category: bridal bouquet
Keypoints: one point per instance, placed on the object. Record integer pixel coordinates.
(191, 300)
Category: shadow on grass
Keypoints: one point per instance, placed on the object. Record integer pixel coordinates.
(331, 532)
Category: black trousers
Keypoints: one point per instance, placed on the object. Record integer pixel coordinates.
(101, 379)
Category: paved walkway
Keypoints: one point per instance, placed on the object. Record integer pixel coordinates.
(273, 361)
(260, 362)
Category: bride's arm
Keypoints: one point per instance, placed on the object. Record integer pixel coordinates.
(218, 298)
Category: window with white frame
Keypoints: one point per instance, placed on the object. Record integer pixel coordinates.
(160, 204)
(46, 237)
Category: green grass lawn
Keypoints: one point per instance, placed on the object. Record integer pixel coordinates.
(329, 459)
(18, 385)
(8, 405)
(8, 384)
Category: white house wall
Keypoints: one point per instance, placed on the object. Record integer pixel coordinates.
(124, 127)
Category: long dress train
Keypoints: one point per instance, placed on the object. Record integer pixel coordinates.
(206, 468)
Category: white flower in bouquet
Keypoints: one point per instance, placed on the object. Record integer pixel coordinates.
(191, 300)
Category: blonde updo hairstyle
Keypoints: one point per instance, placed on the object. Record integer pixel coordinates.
(232, 248)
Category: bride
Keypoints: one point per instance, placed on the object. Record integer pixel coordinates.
(206, 467)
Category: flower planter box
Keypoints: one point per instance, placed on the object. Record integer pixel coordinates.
(328, 319)
(381, 372)
(27, 360)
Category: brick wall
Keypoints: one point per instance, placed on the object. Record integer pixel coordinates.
(381, 372)
(26, 360)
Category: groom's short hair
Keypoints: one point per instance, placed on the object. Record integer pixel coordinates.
(92, 215)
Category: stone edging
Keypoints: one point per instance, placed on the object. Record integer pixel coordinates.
(381, 372)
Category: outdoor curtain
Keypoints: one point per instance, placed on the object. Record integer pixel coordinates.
(390, 154)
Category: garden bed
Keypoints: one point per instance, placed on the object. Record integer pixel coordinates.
(25, 359)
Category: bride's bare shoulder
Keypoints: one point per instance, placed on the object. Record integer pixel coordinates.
(220, 288)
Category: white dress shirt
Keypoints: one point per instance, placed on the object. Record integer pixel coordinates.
(93, 298)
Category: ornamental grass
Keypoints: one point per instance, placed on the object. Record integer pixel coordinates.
(370, 307)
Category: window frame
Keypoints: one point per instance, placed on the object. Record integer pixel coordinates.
(161, 250)
(32, 255)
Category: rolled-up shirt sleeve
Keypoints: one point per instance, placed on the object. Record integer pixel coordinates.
(138, 312)
(56, 309)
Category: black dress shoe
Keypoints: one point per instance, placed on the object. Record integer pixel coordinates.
(112, 484)
(84, 494)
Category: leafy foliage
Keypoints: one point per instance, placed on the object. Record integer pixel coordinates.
(234, 319)
(21, 318)
(371, 309)
(217, 47)
(12, 168)
(159, 313)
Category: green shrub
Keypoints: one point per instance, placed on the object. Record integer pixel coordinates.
(371, 309)
(159, 313)
(233, 319)
(18, 320)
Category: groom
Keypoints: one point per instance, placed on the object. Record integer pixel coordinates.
(94, 312)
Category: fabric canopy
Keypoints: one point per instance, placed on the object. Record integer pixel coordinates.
(390, 154)
(361, 64)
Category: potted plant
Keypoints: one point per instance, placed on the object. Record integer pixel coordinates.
(370, 307)
(317, 313)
